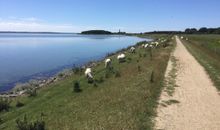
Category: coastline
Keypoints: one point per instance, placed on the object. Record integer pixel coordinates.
(19, 89)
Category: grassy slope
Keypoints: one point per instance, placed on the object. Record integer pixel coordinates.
(206, 49)
(126, 102)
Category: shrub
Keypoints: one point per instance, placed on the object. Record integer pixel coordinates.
(101, 79)
(140, 55)
(77, 70)
(60, 75)
(4, 104)
(32, 92)
(95, 84)
(129, 59)
(25, 124)
(76, 87)
(152, 77)
(19, 104)
(139, 68)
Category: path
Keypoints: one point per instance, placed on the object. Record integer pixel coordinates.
(199, 101)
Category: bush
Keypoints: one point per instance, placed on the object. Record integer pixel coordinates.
(60, 75)
(77, 70)
(19, 104)
(129, 59)
(4, 104)
(101, 79)
(152, 77)
(76, 87)
(32, 92)
(26, 125)
(140, 55)
(139, 68)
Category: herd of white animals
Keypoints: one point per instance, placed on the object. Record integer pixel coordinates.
(121, 57)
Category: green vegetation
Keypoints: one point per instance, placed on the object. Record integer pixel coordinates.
(170, 81)
(203, 30)
(96, 32)
(4, 104)
(124, 99)
(206, 49)
(25, 124)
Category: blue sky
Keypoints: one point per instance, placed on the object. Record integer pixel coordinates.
(127, 15)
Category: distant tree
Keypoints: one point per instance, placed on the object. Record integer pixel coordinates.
(191, 30)
(217, 31)
(96, 32)
(203, 30)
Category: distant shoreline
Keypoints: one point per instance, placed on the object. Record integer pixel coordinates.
(37, 32)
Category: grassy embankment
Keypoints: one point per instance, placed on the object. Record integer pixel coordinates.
(206, 49)
(123, 99)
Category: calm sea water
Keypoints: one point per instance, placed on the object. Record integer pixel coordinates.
(25, 56)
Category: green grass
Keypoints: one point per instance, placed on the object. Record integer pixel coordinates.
(154, 36)
(206, 49)
(125, 102)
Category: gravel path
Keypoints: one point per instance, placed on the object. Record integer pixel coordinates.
(198, 106)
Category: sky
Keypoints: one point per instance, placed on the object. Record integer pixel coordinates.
(112, 15)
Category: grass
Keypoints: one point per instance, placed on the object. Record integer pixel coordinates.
(170, 81)
(125, 101)
(206, 49)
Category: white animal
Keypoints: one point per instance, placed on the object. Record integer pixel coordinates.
(88, 73)
(151, 46)
(182, 37)
(156, 43)
(143, 45)
(132, 49)
(108, 62)
(146, 45)
(121, 57)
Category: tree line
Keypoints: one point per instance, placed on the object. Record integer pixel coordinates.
(203, 30)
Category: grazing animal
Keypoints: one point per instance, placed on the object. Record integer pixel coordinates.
(182, 37)
(88, 73)
(146, 45)
(108, 62)
(132, 49)
(151, 46)
(142, 45)
(121, 57)
(156, 43)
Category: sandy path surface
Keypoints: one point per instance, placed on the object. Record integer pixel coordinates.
(199, 101)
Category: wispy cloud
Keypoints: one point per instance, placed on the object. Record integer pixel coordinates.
(35, 25)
